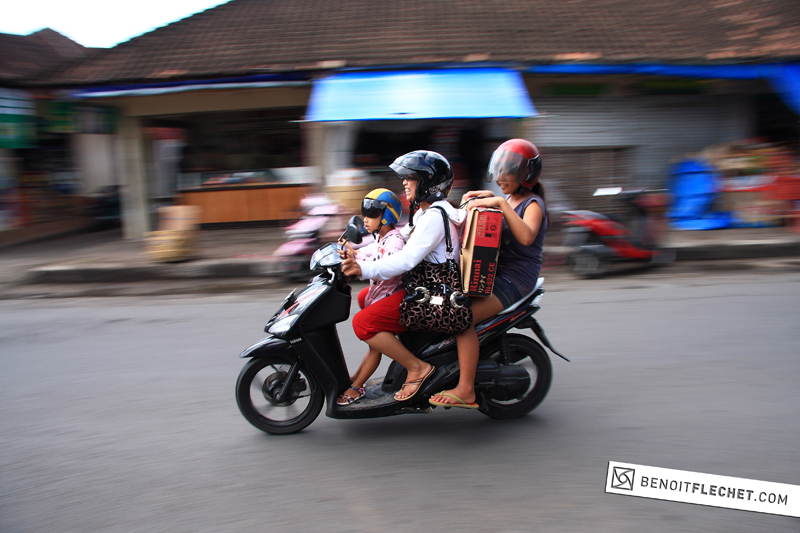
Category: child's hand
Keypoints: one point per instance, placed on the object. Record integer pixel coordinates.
(347, 249)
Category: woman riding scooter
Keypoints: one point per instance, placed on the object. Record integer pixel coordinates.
(516, 166)
(427, 179)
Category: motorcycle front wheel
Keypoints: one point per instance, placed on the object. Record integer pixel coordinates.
(528, 354)
(259, 383)
(589, 265)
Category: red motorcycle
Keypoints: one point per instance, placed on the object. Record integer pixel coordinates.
(636, 235)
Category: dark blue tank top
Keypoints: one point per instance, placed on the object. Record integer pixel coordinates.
(521, 264)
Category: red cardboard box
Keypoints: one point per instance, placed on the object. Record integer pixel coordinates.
(479, 249)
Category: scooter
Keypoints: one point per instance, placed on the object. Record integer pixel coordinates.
(300, 366)
(322, 221)
(598, 241)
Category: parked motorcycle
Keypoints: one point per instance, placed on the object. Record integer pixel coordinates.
(300, 366)
(599, 241)
(322, 221)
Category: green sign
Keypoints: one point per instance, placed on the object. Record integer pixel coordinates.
(17, 119)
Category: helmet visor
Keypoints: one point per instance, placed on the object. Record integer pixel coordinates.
(372, 208)
(404, 173)
(506, 165)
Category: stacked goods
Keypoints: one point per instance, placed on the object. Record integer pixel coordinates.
(176, 237)
(759, 184)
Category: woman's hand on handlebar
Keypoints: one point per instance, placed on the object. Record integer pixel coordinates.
(350, 266)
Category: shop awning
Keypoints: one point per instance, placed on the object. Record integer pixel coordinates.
(419, 94)
(783, 77)
(153, 89)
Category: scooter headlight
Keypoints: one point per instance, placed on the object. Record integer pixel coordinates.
(283, 325)
(326, 257)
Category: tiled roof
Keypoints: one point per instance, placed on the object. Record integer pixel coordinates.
(23, 57)
(259, 36)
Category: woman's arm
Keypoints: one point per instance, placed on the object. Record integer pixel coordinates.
(523, 229)
(428, 233)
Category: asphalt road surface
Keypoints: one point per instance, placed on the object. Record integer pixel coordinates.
(118, 415)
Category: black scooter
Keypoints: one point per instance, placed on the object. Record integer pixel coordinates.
(300, 364)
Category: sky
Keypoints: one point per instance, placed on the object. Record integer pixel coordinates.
(96, 23)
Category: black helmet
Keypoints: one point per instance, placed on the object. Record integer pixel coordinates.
(432, 172)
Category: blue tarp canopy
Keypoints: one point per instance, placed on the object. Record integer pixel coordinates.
(783, 77)
(419, 94)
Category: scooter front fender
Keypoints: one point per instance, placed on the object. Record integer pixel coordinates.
(267, 346)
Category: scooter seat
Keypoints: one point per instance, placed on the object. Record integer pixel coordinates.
(525, 300)
(415, 340)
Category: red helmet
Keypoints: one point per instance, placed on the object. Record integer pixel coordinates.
(519, 158)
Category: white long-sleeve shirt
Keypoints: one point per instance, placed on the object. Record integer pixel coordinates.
(424, 240)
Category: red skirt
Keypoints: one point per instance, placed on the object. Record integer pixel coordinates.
(383, 315)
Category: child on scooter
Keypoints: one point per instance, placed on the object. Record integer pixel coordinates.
(381, 210)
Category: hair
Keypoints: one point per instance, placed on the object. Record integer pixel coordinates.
(538, 190)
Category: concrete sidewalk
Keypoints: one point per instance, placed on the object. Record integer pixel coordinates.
(105, 257)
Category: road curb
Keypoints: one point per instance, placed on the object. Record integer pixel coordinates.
(739, 250)
(119, 273)
(109, 273)
(260, 269)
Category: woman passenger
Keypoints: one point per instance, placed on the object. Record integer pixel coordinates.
(516, 166)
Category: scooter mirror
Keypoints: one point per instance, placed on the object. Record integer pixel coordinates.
(355, 230)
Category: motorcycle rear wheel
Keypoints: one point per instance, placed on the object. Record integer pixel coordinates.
(525, 352)
(586, 263)
(258, 383)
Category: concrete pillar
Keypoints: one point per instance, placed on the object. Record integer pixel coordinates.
(94, 154)
(135, 198)
(338, 143)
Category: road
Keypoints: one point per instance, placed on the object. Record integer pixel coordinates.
(118, 415)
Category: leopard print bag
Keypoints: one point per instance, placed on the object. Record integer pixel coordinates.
(434, 298)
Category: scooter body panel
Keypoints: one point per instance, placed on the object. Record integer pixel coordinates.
(269, 345)
(616, 238)
(321, 352)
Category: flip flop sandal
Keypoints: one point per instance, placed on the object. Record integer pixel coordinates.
(346, 399)
(461, 403)
(418, 382)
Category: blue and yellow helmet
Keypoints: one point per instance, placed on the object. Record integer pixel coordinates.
(383, 204)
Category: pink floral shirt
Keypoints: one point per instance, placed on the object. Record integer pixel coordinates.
(389, 244)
